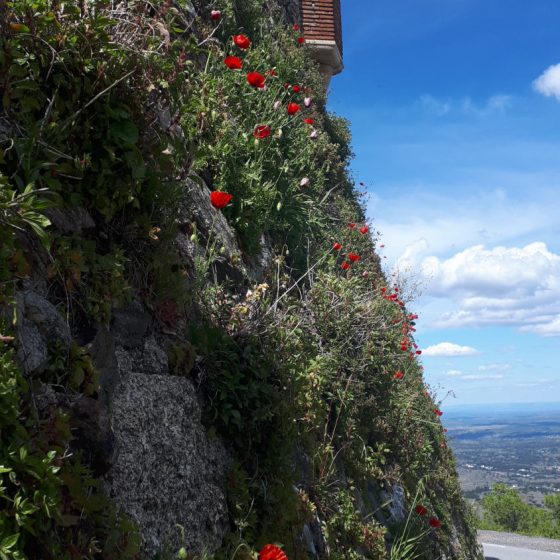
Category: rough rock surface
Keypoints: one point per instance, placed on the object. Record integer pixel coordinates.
(196, 210)
(40, 328)
(129, 324)
(70, 220)
(167, 470)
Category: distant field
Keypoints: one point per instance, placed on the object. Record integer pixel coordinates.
(516, 444)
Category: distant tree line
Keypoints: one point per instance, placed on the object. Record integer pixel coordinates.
(504, 510)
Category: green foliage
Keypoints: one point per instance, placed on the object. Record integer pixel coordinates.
(504, 510)
(552, 502)
(113, 114)
(96, 279)
(45, 497)
(503, 507)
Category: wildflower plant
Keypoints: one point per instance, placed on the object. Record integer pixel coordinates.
(303, 362)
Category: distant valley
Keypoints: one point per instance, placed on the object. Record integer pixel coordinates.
(518, 444)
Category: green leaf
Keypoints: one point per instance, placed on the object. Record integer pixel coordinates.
(9, 542)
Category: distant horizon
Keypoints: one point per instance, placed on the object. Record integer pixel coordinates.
(545, 404)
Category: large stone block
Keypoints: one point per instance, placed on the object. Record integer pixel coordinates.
(167, 471)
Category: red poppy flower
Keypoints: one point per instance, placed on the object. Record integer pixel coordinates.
(261, 131)
(351, 225)
(438, 412)
(434, 522)
(364, 229)
(353, 257)
(301, 40)
(220, 199)
(295, 27)
(309, 121)
(241, 41)
(345, 265)
(398, 375)
(286, 85)
(233, 62)
(421, 510)
(296, 89)
(337, 246)
(272, 552)
(256, 79)
(293, 108)
(215, 15)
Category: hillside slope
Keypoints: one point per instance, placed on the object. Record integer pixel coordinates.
(199, 347)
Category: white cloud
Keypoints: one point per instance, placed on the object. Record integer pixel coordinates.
(494, 367)
(466, 105)
(549, 327)
(439, 224)
(461, 376)
(434, 105)
(548, 83)
(496, 278)
(481, 377)
(449, 349)
(494, 104)
(517, 286)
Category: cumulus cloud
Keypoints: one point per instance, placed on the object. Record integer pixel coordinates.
(449, 349)
(549, 327)
(548, 83)
(517, 286)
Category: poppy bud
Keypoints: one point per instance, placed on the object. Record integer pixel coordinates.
(314, 135)
(215, 15)
(307, 101)
(304, 182)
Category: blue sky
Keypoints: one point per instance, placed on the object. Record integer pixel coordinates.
(455, 113)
